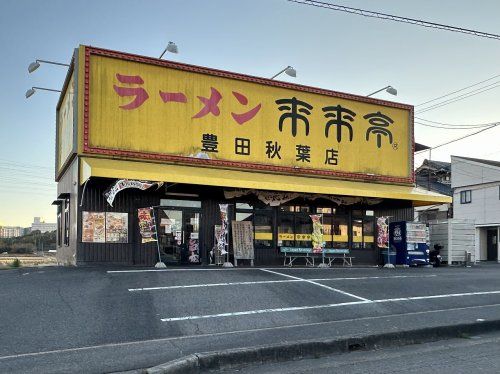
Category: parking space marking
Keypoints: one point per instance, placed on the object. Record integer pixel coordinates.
(316, 284)
(230, 269)
(325, 306)
(234, 332)
(271, 282)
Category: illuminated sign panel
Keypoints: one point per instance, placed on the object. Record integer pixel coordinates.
(158, 110)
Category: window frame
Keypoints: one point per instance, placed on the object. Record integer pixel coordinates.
(463, 197)
(66, 235)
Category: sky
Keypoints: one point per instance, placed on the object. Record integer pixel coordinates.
(329, 49)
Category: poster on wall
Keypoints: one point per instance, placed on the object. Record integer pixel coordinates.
(116, 227)
(93, 227)
(146, 225)
(243, 240)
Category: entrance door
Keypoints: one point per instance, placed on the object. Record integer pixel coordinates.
(178, 234)
(492, 244)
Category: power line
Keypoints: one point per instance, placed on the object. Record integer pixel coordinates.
(25, 165)
(450, 124)
(460, 90)
(390, 17)
(457, 127)
(463, 137)
(460, 97)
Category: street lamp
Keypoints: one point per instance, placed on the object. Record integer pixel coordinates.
(171, 47)
(388, 89)
(32, 91)
(36, 64)
(288, 71)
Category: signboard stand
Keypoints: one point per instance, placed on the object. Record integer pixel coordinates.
(243, 241)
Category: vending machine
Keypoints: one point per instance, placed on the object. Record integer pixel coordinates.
(410, 241)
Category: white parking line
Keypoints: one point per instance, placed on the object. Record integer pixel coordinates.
(272, 281)
(316, 284)
(237, 332)
(324, 306)
(231, 269)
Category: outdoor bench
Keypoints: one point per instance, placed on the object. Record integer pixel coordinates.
(330, 255)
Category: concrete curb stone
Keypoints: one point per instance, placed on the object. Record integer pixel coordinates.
(238, 357)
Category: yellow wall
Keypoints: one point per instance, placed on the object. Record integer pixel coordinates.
(170, 129)
(65, 125)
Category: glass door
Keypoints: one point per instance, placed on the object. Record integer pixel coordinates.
(170, 236)
(178, 235)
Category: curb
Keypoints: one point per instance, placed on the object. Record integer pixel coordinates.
(233, 358)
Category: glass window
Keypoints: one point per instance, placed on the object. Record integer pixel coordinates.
(286, 235)
(66, 222)
(325, 210)
(465, 197)
(243, 206)
(263, 228)
(303, 230)
(363, 233)
(369, 233)
(327, 230)
(340, 228)
(287, 208)
(244, 216)
(357, 233)
(180, 203)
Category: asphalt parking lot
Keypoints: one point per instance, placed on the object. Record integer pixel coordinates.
(104, 320)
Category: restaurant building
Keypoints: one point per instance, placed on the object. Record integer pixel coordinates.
(140, 139)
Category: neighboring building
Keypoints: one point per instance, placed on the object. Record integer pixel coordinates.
(476, 196)
(434, 176)
(42, 226)
(11, 231)
(274, 152)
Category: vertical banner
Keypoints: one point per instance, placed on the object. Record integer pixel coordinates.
(382, 232)
(222, 239)
(147, 225)
(317, 233)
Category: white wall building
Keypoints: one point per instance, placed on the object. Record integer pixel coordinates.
(11, 231)
(42, 226)
(476, 196)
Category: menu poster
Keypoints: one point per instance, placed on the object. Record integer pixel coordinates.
(243, 240)
(94, 227)
(116, 227)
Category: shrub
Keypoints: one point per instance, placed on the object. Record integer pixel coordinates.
(16, 263)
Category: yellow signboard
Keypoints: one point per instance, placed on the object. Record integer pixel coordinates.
(65, 125)
(138, 107)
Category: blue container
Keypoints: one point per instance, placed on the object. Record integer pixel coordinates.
(409, 241)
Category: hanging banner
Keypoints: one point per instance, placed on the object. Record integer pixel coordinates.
(317, 233)
(147, 225)
(382, 232)
(222, 238)
(123, 184)
(277, 198)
